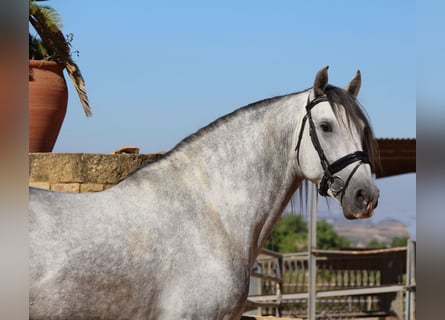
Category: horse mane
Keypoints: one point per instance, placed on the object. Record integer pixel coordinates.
(210, 127)
(224, 119)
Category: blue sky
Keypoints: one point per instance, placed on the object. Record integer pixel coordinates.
(156, 72)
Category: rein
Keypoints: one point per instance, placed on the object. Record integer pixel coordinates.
(329, 179)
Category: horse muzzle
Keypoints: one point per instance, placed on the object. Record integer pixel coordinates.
(360, 202)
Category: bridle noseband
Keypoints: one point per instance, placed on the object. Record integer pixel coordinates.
(329, 179)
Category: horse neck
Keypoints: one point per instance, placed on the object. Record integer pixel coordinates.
(245, 169)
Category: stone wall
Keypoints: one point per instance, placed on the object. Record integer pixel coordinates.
(83, 172)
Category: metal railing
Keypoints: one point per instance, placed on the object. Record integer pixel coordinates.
(348, 283)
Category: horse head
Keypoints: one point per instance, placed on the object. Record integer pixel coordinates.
(339, 146)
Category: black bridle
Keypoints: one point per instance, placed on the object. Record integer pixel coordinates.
(329, 179)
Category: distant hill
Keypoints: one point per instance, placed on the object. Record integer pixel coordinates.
(361, 232)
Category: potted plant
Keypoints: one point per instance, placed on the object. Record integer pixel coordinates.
(49, 54)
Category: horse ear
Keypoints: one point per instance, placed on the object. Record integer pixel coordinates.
(321, 81)
(353, 87)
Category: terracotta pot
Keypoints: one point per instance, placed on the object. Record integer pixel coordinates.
(48, 98)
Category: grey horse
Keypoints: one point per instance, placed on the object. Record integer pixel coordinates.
(178, 237)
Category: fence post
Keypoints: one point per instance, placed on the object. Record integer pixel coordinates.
(312, 246)
(410, 304)
(279, 285)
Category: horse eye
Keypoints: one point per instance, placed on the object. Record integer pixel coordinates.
(326, 127)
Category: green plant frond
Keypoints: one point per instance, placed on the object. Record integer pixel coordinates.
(48, 17)
(51, 39)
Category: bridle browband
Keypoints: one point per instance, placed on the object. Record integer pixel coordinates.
(329, 179)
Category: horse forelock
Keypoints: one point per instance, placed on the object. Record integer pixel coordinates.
(357, 117)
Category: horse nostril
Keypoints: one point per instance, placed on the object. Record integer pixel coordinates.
(361, 198)
(361, 195)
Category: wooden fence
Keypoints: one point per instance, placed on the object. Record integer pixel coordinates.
(349, 284)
